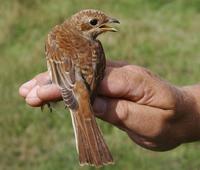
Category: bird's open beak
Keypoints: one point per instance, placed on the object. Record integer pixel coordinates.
(105, 27)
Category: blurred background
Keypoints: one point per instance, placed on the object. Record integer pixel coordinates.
(162, 35)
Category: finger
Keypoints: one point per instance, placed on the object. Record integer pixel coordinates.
(111, 110)
(121, 81)
(140, 119)
(26, 87)
(43, 78)
(49, 93)
(32, 98)
(142, 124)
(40, 79)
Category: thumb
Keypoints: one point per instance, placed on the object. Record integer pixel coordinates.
(130, 116)
(114, 111)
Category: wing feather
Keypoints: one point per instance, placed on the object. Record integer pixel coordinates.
(62, 72)
(65, 54)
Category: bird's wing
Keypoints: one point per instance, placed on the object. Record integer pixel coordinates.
(101, 61)
(92, 62)
(98, 63)
(62, 70)
(64, 55)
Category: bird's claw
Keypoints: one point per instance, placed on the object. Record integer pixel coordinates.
(48, 105)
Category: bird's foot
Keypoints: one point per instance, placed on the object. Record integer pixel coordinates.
(48, 105)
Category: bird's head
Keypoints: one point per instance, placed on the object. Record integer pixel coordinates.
(92, 23)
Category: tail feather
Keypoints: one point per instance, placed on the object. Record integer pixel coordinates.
(90, 144)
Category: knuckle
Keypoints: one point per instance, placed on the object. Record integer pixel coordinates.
(122, 110)
(132, 72)
(133, 68)
(138, 72)
(125, 75)
(128, 67)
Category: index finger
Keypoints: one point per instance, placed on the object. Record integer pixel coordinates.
(121, 82)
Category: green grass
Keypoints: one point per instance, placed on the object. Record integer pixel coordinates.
(162, 35)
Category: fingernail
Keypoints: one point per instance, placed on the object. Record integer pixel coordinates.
(23, 91)
(32, 97)
(26, 87)
(100, 106)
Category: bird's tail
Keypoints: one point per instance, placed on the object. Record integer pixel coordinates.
(90, 144)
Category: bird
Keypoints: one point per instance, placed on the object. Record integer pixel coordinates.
(76, 64)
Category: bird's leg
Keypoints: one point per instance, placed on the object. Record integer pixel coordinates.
(42, 108)
(48, 104)
(49, 107)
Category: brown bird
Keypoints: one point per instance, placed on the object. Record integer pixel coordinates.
(76, 63)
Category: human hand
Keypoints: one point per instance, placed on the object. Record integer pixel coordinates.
(152, 112)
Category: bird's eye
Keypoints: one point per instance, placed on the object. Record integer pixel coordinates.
(93, 22)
